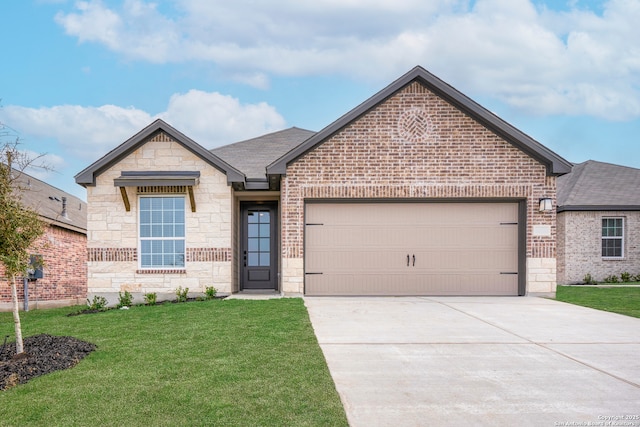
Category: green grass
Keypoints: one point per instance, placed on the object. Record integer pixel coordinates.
(618, 300)
(227, 363)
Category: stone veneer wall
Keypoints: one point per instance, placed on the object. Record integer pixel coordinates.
(580, 250)
(65, 271)
(113, 232)
(416, 145)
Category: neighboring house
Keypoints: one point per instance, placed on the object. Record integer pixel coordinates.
(598, 222)
(63, 248)
(417, 191)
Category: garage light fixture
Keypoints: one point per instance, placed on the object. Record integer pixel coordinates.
(546, 204)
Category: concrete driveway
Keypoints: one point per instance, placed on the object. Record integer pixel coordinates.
(503, 361)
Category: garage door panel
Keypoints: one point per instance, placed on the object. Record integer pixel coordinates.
(459, 249)
(365, 236)
(451, 260)
(410, 284)
(364, 261)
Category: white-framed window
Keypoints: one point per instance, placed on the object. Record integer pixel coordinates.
(612, 237)
(162, 232)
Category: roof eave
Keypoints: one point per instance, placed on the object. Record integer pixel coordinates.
(593, 208)
(64, 225)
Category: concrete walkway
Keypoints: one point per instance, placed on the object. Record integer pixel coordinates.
(504, 361)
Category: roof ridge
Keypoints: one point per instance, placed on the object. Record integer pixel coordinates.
(578, 170)
(610, 164)
(262, 136)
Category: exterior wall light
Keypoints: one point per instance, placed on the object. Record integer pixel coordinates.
(546, 204)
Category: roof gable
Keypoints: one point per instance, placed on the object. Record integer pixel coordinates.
(599, 186)
(555, 164)
(88, 176)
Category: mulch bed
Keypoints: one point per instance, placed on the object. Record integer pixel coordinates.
(42, 354)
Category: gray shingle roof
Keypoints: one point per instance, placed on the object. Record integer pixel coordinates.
(47, 201)
(252, 156)
(599, 186)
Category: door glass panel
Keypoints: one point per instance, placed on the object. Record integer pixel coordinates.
(258, 238)
(252, 260)
(264, 259)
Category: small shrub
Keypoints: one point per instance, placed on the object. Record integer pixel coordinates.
(611, 279)
(625, 276)
(99, 303)
(181, 294)
(588, 280)
(636, 278)
(210, 292)
(125, 300)
(150, 298)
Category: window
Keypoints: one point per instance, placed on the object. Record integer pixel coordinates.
(162, 232)
(612, 237)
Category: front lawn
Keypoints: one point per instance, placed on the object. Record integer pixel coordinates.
(618, 300)
(231, 363)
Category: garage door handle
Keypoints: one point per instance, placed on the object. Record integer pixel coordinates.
(414, 260)
(408, 259)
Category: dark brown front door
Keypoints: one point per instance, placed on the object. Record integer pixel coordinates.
(259, 245)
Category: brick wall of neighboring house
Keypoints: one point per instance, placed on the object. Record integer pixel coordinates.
(416, 145)
(580, 250)
(65, 272)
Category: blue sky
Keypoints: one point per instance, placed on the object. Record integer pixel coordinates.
(80, 77)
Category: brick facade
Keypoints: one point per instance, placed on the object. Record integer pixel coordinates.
(415, 145)
(579, 246)
(65, 271)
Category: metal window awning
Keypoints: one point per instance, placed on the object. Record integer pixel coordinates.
(188, 179)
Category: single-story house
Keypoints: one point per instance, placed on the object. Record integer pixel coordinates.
(417, 191)
(598, 222)
(62, 278)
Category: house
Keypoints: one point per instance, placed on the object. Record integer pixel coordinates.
(417, 191)
(62, 278)
(598, 222)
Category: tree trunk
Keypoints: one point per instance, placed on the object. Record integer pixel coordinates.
(16, 317)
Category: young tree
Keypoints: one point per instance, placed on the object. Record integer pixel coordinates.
(19, 226)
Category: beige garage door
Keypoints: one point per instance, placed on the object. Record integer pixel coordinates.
(411, 249)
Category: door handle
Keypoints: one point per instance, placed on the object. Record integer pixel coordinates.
(414, 260)
(408, 260)
(245, 258)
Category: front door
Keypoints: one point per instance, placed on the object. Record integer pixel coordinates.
(259, 245)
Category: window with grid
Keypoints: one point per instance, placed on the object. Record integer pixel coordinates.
(612, 237)
(162, 229)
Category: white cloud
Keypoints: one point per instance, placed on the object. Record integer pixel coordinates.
(543, 61)
(44, 166)
(85, 132)
(211, 119)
